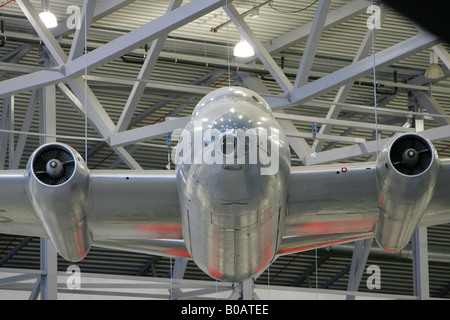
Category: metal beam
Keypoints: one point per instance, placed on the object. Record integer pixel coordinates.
(298, 144)
(43, 32)
(360, 68)
(144, 74)
(79, 41)
(94, 110)
(344, 123)
(369, 148)
(325, 137)
(114, 49)
(14, 56)
(13, 251)
(442, 54)
(206, 81)
(260, 51)
(344, 91)
(311, 45)
(433, 107)
(103, 9)
(154, 85)
(147, 132)
(19, 51)
(300, 34)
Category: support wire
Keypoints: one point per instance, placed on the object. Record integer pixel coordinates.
(374, 80)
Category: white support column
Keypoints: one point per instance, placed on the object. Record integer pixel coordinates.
(11, 127)
(360, 254)
(48, 282)
(178, 273)
(5, 125)
(25, 128)
(247, 289)
(47, 113)
(420, 263)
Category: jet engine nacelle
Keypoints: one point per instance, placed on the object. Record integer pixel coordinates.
(407, 171)
(57, 184)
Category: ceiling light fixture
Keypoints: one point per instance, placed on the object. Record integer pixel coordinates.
(434, 71)
(46, 16)
(243, 49)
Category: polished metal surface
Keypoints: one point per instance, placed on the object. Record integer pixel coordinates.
(233, 204)
(61, 202)
(233, 213)
(404, 193)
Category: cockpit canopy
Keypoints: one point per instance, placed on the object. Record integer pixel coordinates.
(231, 93)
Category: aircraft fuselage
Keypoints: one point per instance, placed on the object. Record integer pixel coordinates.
(232, 174)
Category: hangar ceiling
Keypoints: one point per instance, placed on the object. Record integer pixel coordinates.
(147, 65)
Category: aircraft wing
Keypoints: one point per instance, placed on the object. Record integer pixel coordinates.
(337, 203)
(329, 204)
(131, 204)
(136, 211)
(17, 216)
(438, 212)
(77, 208)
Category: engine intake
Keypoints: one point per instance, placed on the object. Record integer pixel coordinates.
(57, 184)
(53, 165)
(411, 155)
(407, 172)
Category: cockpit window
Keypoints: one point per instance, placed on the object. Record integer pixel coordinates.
(229, 145)
(231, 93)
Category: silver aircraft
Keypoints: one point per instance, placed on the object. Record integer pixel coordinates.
(234, 203)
